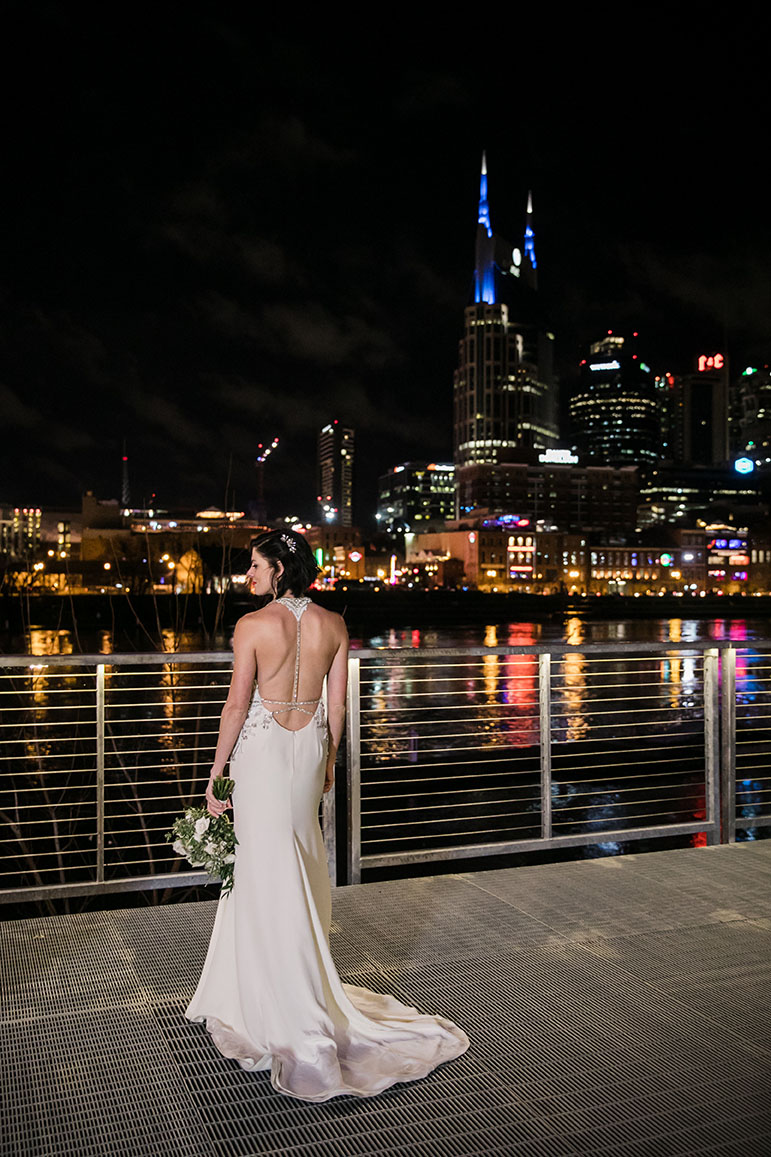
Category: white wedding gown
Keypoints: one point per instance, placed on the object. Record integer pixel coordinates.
(269, 991)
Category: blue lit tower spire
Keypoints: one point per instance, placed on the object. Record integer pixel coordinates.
(484, 274)
(531, 265)
(484, 208)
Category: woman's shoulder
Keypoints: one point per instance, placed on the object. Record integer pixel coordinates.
(329, 618)
(252, 620)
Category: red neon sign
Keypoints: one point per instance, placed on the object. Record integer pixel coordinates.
(710, 362)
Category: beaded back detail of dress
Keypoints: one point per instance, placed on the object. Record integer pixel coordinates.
(276, 707)
(262, 712)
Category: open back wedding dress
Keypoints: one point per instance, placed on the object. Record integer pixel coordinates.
(269, 991)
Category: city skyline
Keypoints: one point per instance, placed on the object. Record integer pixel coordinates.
(250, 235)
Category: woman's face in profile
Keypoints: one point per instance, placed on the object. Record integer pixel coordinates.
(260, 574)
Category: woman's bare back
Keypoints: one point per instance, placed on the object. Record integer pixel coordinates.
(290, 689)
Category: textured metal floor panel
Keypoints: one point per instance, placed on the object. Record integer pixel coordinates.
(617, 1007)
(622, 897)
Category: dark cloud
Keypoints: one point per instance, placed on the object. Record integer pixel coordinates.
(16, 413)
(220, 233)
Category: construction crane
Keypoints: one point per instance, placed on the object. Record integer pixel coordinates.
(263, 453)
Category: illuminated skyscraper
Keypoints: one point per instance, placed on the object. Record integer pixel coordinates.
(414, 494)
(754, 437)
(335, 474)
(617, 408)
(699, 407)
(505, 394)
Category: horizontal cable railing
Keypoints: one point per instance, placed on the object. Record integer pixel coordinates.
(88, 793)
(494, 750)
(749, 772)
(451, 754)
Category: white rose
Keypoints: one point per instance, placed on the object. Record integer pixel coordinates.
(179, 848)
(210, 848)
(229, 859)
(201, 826)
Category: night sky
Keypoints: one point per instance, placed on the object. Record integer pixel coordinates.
(219, 229)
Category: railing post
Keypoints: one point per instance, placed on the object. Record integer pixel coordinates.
(728, 745)
(712, 743)
(353, 760)
(100, 773)
(544, 712)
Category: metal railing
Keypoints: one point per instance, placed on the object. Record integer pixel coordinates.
(451, 754)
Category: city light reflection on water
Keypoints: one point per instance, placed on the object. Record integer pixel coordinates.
(449, 744)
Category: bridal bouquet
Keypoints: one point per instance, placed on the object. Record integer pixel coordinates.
(208, 841)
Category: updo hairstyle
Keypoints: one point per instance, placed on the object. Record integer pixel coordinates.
(296, 557)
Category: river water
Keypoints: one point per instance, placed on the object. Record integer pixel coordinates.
(574, 630)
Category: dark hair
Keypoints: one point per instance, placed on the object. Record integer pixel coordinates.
(293, 552)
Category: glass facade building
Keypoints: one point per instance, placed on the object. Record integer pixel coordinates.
(616, 410)
(414, 494)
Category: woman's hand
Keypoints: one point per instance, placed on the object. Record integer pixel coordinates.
(329, 778)
(215, 806)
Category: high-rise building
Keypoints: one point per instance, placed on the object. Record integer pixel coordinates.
(415, 493)
(754, 423)
(616, 410)
(699, 414)
(504, 391)
(335, 474)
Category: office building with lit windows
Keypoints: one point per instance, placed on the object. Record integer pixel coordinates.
(699, 414)
(335, 474)
(414, 494)
(504, 388)
(678, 495)
(20, 531)
(754, 416)
(553, 490)
(616, 411)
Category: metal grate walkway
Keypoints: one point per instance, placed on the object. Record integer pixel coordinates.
(615, 1006)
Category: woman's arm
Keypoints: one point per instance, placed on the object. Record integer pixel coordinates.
(235, 710)
(337, 681)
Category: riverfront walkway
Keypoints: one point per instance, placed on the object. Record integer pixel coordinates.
(615, 1006)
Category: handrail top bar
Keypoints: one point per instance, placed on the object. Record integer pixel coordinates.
(119, 659)
(555, 648)
(158, 658)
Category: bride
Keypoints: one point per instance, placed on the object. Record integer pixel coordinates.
(269, 991)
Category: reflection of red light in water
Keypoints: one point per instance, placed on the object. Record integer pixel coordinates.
(718, 629)
(520, 685)
(738, 630)
(416, 638)
(521, 634)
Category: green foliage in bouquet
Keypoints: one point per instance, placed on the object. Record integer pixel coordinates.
(206, 841)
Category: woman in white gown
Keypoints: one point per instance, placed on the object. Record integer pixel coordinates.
(269, 991)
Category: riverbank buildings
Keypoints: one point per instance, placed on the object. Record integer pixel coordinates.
(706, 475)
(335, 474)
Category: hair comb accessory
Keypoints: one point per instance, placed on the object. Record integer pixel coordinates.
(290, 542)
